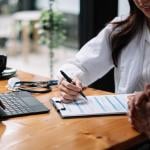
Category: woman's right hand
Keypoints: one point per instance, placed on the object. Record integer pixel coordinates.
(70, 91)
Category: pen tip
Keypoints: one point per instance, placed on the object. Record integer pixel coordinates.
(85, 97)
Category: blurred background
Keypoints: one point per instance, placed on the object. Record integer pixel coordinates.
(19, 35)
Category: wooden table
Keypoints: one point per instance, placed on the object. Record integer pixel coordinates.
(50, 132)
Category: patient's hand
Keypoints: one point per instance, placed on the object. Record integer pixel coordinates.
(139, 110)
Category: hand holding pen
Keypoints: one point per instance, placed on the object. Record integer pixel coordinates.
(70, 88)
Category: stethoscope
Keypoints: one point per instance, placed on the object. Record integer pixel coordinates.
(14, 84)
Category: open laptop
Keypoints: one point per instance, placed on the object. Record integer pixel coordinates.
(20, 103)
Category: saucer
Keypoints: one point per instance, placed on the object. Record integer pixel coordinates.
(7, 73)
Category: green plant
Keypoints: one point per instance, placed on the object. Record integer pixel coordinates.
(52, 31)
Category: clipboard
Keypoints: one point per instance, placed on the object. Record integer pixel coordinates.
(99, 105)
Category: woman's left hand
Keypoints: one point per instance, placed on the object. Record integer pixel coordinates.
(139, 110)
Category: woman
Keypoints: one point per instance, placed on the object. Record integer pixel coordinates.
(139, 104)
(124, 45)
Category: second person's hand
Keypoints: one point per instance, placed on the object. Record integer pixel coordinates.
(139, 110)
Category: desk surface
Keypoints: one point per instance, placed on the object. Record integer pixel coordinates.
(50, 132)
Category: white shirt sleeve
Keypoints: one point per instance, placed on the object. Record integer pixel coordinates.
(93, 60)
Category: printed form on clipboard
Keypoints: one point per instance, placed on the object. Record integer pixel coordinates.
(95, 106)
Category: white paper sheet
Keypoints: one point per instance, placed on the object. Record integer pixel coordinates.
(96, 105)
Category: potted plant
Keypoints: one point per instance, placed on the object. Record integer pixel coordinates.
(51, 30)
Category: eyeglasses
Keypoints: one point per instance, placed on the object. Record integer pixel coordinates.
(14, 84)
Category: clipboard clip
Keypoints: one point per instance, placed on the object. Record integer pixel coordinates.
(62, 104)
(57, 103)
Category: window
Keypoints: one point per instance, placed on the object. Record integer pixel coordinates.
(123, 7)
(71, 10)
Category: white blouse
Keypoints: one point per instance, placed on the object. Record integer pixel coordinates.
(94, 60)
(145, 76)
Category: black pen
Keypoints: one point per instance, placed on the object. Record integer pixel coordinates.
(70, 80)
(2, 105)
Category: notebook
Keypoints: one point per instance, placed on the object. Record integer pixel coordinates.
(95, 106)
(20, 103)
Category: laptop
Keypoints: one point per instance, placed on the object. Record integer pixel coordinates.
(20, 103)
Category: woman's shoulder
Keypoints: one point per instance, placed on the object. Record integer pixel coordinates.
(119, 18)
(110, 26)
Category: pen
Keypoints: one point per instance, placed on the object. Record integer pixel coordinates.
(70, 80)
(2, 105)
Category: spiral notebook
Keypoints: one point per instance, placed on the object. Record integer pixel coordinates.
(95, 106)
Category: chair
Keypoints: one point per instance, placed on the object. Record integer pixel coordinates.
(105, 83)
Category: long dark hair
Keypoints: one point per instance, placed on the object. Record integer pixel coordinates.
(128, 29)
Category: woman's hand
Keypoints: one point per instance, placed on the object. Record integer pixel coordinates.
(139, 110)
(70, 91)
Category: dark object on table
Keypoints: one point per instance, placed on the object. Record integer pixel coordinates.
(3, 61)
(20, 104)
(7, 73)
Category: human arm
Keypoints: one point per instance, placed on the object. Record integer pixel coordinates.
(139, 110)
(90, 63)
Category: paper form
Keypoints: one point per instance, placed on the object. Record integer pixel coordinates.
(96, 105)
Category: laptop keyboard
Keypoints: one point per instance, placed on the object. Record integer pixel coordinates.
(14, 105)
